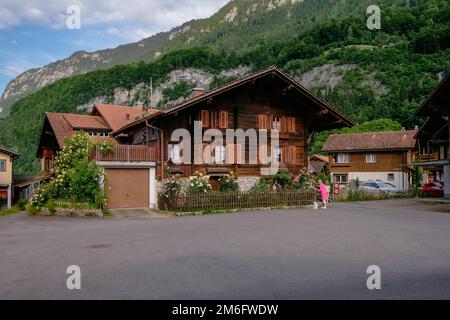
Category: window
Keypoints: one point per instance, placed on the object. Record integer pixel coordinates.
(92, 134)
(2, 165)
(220, 154)
(174, 153)
(103, 135)
(341, 178)
(276, 123)
(371, 158)
(342, 158)
(391, 177)
(278, 154)
(426, 148)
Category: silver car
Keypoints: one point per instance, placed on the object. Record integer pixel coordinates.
(379, 187)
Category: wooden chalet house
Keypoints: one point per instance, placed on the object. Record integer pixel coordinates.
(268, 100)
(372, 156)
(433, 137)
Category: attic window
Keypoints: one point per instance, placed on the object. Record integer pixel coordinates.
(127, 116)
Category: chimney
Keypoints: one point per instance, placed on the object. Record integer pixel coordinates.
(196, 92)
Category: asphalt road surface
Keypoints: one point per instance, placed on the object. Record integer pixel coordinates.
(280, 254)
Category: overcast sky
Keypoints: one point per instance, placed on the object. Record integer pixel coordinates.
(34, 33)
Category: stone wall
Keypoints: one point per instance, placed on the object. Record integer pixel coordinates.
(246, 183)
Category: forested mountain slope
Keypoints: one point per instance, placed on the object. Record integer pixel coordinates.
(366, 74)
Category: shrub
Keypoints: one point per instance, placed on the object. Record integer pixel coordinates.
(282, 180)
(32, 210)
(199, 184)
(261, 186)
(22, 204)
(51, 206)
(171, 188)
(229, 184)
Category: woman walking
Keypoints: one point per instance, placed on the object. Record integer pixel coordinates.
(325, 193)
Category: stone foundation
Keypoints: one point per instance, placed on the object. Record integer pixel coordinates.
(246, 183)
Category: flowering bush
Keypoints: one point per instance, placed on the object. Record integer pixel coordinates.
(199, 184)
(228, 184)
(304, 181)
(75, 176)
(171, 188)
(262, 185)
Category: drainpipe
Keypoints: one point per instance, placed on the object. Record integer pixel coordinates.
(161, 146)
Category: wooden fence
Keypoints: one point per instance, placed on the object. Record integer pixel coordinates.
(237, 200)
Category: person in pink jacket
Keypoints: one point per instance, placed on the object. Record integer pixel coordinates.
(325, 193)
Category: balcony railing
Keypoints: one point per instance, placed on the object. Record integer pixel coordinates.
(126, 153)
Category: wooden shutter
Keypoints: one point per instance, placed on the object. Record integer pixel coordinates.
(223, 119)
(238, 156)
(293, 155)
(291, 124)
(230, 153)
(205, 118)
(283, 124)
(283, 154)
(263, 121)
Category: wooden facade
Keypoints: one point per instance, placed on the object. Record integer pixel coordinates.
(268, 100)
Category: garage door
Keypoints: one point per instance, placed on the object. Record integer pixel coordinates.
(127, 188)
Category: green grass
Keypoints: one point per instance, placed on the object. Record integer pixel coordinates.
(11, 211)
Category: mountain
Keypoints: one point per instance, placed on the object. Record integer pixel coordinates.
(238, 26)
(366, 74)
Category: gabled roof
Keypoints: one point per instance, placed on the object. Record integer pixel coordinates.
(12, 154)
(119, 116)
(371, 141)
(61, 128)
(440, 95)
(248, 79)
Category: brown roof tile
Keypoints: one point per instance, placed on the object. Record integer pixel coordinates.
(77, 121)
(371, 141)
(117, 116)
(60, 126)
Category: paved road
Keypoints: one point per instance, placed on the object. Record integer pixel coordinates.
(286, 254)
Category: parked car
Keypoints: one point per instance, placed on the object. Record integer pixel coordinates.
(379, 186)
(433, 190)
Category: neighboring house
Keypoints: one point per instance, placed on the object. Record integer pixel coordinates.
(7, 158)
(374, 156)
(319, 164)
(129, 170)
(433, 137)
(103, 120)
(268, 100)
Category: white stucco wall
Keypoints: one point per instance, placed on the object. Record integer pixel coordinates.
(400, 178)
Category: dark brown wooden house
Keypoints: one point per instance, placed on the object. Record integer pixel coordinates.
(433, 137)
(268, 100)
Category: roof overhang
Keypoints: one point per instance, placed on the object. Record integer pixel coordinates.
(438, 102)
(272, 71)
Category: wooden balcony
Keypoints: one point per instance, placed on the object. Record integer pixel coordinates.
(127, 153)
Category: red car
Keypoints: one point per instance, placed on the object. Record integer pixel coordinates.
(433, 189)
